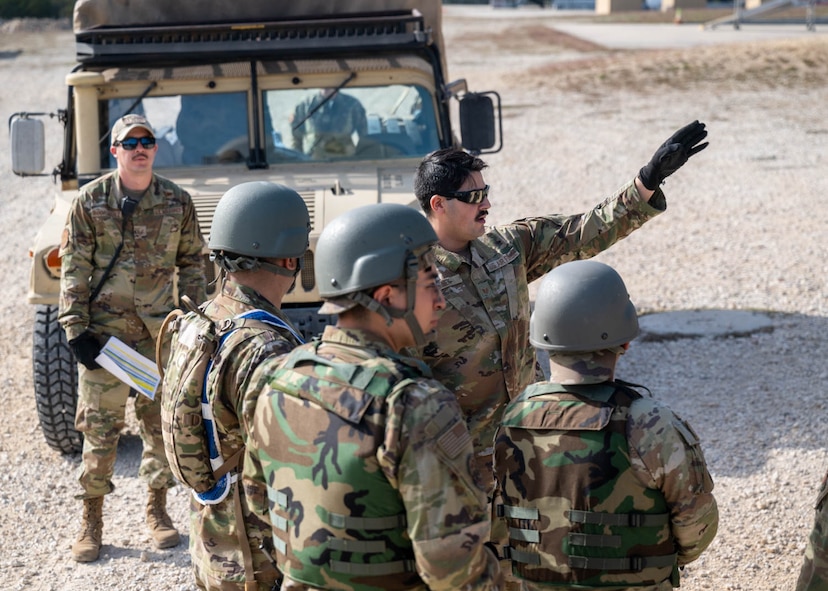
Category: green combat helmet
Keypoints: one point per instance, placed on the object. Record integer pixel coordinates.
(582, 306)
(368, 247)
(255, 221)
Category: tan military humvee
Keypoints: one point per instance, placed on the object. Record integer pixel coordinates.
(223, 84)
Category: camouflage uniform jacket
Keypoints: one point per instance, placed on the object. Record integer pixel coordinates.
(601, 487)
(482, 350)
(368, 468)
(813, 575)
(214, 541)
(162, 234)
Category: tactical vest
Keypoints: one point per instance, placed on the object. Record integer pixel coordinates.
(577, 513)
(338, 518)
(190, 433)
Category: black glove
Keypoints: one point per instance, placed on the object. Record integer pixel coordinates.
(672, 154)
(85, 348)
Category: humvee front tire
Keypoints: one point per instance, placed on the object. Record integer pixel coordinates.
(55, 382)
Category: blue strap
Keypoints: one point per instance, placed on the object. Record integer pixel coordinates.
(217, 493)
(269, 318)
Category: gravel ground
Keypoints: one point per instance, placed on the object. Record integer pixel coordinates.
(742, 232)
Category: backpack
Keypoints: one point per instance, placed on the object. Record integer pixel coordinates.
(191, 441)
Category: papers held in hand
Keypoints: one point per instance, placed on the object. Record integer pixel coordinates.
(128, 365)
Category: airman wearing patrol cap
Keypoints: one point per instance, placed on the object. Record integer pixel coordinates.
(129, 236)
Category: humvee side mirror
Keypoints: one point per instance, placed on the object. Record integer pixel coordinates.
(480, 128)
(28, 144)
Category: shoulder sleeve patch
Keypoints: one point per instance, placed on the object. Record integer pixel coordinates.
(450, 430)
(454, 440)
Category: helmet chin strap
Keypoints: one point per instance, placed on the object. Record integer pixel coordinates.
(417, 332)
(245, 263)
(389, 314)
(277, 270)
(412, 267)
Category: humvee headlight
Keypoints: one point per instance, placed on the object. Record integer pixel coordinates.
(52, 261)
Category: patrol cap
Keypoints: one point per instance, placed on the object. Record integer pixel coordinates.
(126, 124)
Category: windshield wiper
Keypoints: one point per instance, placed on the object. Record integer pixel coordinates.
(325, 100)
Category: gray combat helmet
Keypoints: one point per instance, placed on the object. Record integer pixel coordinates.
(368, 247)
(258, 220)
(582, 306)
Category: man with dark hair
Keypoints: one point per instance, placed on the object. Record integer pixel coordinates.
(481, 351)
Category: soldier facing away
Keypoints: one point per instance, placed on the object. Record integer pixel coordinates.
(600, 485)
(126, 234)
(259, 233)
(367, 459)
(481, 352)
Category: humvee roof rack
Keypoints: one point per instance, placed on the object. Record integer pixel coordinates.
(249, 40)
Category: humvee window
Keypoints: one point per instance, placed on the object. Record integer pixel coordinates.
(308, 124)
(351, 123)
(192, 129)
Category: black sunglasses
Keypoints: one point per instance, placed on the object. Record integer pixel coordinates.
(473, 196)
(131, 143)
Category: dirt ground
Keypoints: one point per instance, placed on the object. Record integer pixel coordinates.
(744, 230)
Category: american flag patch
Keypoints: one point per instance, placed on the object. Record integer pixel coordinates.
(454, 440)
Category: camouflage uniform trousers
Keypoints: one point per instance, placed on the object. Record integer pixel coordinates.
(207, 582)
(101, 414)
(522, 585)
(814, 573)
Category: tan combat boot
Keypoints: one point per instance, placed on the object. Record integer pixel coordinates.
(87, 547)
(161, 528)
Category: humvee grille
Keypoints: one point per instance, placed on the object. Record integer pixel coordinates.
(306, 277)
(206, 208)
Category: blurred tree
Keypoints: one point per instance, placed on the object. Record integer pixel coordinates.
(36, 8)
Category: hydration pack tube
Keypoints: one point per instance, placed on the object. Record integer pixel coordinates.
(220, 490)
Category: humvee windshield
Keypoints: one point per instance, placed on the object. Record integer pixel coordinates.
(307, 124)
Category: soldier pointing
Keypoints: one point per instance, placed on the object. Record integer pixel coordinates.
(481, 351)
